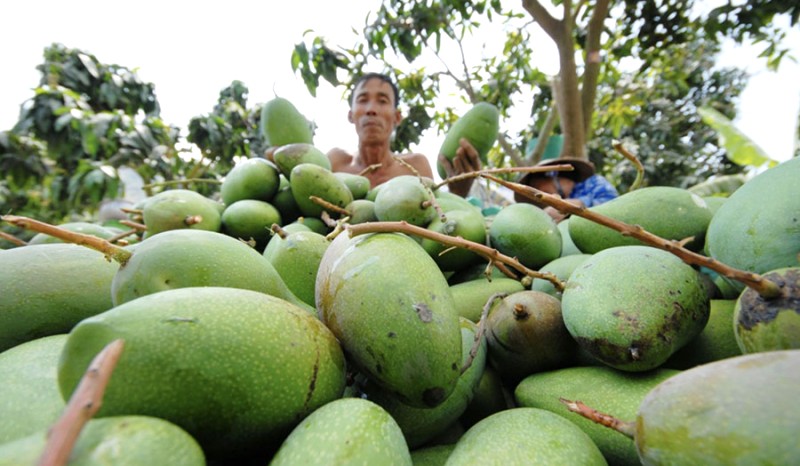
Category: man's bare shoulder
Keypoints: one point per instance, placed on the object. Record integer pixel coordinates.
(419, 161)
(339, 158)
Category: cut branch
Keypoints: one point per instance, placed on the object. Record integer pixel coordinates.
(626, 428)
(764, 287)
(636, 162)
(83, 405)
(492, 255)
(111, 251)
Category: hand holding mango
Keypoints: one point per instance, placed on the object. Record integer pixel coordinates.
(466, 160)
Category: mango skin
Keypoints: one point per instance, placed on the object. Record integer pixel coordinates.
(171, 209)
(529, 436)
(281, 123)
(297, 258)
(479, 125)
(46, 289)
(740, 410)
(468, 224)
(308, 179)
(237, 369)
(189, 258)
(666, 211)
(603, 388)
(390, 306)
(769, 325)
(471, 296)
(562, 268)
(758, 228)
(526, 232)
(716, 341)
(29, 396)
(420, 425)
(254, 178)
(632, 307)
(345, 431)
(404, 198)
(288, 156)
(118, 440)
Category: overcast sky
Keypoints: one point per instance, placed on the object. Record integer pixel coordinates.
(191, 51)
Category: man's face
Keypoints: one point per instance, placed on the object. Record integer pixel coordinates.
(373, 111)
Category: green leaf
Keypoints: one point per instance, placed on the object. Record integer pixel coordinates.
(741, 149)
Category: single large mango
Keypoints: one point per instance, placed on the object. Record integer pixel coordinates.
(479, 126)
(237, 369)
(388, 303)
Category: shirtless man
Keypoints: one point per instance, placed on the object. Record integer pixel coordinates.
(374, 112)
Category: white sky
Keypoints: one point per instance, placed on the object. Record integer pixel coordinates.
(191, 51)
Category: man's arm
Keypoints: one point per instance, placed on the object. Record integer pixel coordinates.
(465, 161)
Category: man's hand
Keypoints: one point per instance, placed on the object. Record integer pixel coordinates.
(465, 161)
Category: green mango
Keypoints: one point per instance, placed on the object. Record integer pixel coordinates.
(86, 228)
(632, 307)
(29, 396)
(491, 396)
(237, 369)
(669, 212)
(254, 178)
(420, 425)
(284, 201)
(361, 211)
(250, 220)
(180, 209)
(435, 455)
(345, 431)
(45, 289)
(190, 258)
(562, 268)
(314, 224)
(526, 334)
(308, 179)
(358, 185)
(479, 125)
(526, 232)
(463, 223)
(288, 156)
(281, 123)
(448, 201)
(390, 306)
(716, 341)
(296, 258)
(757, 228)
(528, 436)
(118, 440)
(769, 324)
(471, 296)
(568, 247)
(404, 198)
(606, 389)
(739, 410)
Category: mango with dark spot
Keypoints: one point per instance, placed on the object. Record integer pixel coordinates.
(376, 285)
(632, 307)
(526, 334)
(235, 368)
(419, 425)
(770, 324)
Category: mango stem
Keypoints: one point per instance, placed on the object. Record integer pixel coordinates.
(111, 251)
(636, 162)
(627, 429)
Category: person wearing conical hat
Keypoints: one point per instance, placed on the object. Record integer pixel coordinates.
(581, 186)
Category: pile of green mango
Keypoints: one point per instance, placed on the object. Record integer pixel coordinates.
(259, 329)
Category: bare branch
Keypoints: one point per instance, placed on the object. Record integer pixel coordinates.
(764, 287)
(626, 428)
(548, 22)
